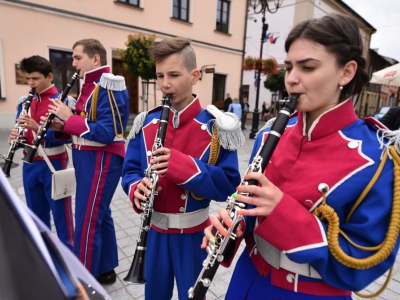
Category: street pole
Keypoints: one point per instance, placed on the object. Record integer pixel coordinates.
(264, 8)
(256, 113)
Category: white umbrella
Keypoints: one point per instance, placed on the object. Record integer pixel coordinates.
(388, 76)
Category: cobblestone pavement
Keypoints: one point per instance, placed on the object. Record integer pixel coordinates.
(127, 225)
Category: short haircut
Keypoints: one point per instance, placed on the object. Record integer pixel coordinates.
(36, 63)
(158, 51)
(92, 47)
(340, 35)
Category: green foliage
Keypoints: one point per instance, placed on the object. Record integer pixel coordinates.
(135, 57)
(276, 82)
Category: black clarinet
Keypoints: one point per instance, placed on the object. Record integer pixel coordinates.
(28, 158)
(136, 272)
(224, 246)
(15, 143)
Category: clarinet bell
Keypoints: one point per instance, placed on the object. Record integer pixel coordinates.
(7, 167)
(136, 272)
(28, 158)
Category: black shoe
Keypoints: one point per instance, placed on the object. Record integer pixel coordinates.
(107, 278)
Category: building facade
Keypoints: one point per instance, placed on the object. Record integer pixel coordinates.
(279, 25)
(49, 28)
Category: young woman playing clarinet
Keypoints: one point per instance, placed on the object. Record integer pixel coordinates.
(323, 220)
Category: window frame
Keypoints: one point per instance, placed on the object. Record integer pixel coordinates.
(219, 26)
(126, 2)
(2, 73)
(64, 77)
(188, 11)
(219, 89)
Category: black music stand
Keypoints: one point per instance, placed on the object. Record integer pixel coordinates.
(28, 254)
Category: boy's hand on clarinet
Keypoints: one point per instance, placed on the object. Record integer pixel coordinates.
(27, 121)
(13, 135)
(143, 190)
(160, 163)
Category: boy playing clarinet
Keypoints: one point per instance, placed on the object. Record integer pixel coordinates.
(192, 171)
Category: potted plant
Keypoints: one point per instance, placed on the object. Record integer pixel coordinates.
(138, 62)
(276, 82)
(248, 63)
(269, 66)
(258, 63)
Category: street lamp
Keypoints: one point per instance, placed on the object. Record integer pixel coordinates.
(264, 7)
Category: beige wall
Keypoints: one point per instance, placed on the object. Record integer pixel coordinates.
(27, 30)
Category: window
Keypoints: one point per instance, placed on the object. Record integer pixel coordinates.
(130, 2)
(245, 91)
(180, 10)
(223, 7)
(63, 71)
(218, 93)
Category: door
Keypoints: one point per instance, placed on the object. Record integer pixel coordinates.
(131, 82)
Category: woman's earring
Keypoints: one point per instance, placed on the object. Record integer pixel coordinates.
(341, 87)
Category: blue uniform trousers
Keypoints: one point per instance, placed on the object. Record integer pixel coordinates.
(97, 174)
(169, 256)
(37, 186)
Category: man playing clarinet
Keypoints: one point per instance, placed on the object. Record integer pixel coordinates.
(98, 150)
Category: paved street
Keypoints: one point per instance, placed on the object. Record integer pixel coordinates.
(127, 223)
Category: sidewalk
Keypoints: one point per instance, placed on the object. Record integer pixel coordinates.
(127, 224)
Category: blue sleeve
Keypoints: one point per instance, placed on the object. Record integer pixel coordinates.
(111, 117)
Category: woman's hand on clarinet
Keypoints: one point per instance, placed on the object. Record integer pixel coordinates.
(143, 190)
(160, 163)
(60, 110)
(216, 225)
(264, 197)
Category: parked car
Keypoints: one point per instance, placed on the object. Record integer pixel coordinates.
(381, 112)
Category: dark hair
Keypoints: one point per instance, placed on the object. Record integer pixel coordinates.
(341, 36)
(36, 63)
(92, 47)
(158, 51)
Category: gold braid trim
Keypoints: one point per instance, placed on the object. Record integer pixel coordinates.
(378, 292)
(92, 113)
(325, 212)
(111, 99)
(212, 159)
